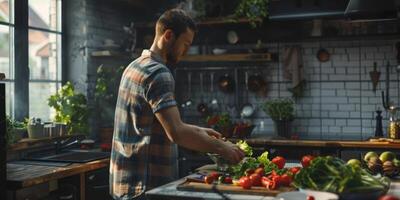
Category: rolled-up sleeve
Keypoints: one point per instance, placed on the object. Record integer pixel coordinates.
(160, 92)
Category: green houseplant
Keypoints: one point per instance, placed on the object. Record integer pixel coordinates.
(281, 112)
(71, 109)
(106, 94)
(254, 10)
(15, 130)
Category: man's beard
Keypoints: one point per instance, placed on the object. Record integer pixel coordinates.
(172, 58)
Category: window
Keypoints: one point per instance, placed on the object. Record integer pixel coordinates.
(6, 49)
(44, 53)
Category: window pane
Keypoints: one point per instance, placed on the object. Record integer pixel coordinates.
(6, 11)
(38, 95)
(5, 50)
(9, 97)
(45, 14)
(43, 55)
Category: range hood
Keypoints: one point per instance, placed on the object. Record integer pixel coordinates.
(281, 10)
(371, 10)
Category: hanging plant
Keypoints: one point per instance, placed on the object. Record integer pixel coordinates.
(254, 10)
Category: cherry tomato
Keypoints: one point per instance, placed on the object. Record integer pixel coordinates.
(279, 161)
(295, 170)
(309, 197)
(268, 183)
(215, 175)
(260, 171)
(255, 179)
(245, 182)
(285, 180)
(249, 172)
(306, 160)
(209, 179)
(228, 180)
(277, 179)
(388, 197)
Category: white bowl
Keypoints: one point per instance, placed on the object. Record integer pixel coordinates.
(294, 195)
(319, 195)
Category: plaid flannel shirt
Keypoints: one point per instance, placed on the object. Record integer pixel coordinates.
(141, 152)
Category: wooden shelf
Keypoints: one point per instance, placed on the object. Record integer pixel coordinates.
(229, 57)
(204, 22)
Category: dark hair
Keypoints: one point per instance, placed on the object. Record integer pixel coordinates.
(177, 20)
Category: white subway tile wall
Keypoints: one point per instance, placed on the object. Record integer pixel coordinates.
(338, 101)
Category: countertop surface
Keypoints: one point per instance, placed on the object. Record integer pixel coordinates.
(21, 175)
(271, 141)
(169, 191)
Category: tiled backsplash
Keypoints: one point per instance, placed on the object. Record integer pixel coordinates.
(338, 101)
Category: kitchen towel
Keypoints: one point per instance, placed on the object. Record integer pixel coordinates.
(293, 69)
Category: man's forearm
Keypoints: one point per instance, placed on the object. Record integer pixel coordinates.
(193, 137)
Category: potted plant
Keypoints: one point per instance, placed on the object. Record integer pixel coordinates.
(281, 112)
(106, 93)
(71, 109)
(15, 130)
(254, 10)
(221, 123)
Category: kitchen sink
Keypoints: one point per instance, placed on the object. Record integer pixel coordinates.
(73, 157)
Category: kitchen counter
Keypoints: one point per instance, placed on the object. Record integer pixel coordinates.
(24, 175)
(169, 191)
(272, 142)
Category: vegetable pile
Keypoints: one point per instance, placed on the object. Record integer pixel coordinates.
(332, 174)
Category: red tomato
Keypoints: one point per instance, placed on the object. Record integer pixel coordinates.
(255, 179)
(310, 197)
(245, 182)
(228, 180)
(286, 180)
(268, 183)
(295, 170)
(213, 120)
(260, 171)
(215, 175)
(306, 160)
(249, 172)
(277, 179)
(388, 197)
(209, 179)
(279, 161)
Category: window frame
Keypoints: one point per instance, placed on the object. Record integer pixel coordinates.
(20, 56)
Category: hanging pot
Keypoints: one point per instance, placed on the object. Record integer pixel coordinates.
(226, 84)
(255, 83)
(323, 55)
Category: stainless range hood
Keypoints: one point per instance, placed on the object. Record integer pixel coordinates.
(371, 10)
(281, 10)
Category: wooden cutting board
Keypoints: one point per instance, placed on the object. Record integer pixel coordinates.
(228, 188)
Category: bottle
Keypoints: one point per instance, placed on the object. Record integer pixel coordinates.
(378, 126)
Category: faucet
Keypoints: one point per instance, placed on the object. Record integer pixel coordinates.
(60, 145)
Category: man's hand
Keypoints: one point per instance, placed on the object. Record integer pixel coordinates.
(212, 133)
(231, 152)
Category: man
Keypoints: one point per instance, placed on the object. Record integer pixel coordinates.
(147, 119)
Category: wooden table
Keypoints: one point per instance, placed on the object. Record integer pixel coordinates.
(23, 175)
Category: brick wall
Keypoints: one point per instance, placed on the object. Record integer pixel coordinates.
(338, 100)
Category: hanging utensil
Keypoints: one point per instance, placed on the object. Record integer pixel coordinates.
(189, 101)
(255, 83)
(202, 107)
(247, 109)
(214, 100)
(226, 84)
(375, 74)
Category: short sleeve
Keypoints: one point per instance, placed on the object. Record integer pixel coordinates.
(160, 92)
